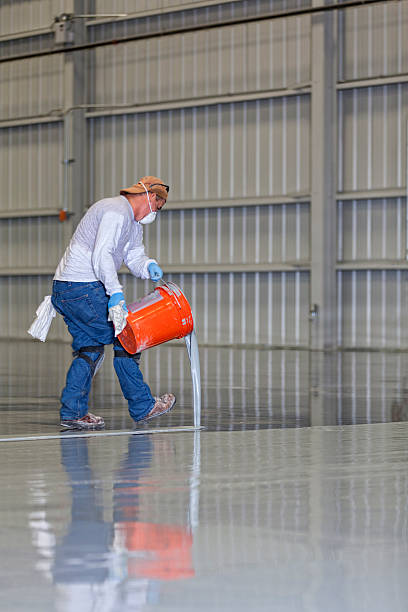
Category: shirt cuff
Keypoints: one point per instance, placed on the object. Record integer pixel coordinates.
(113, 289)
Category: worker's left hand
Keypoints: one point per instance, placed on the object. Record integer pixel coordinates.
(118, 315)
(118, 312)
(117, 298)
(155, 271)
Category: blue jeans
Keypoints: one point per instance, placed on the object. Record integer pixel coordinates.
(88, 535)
(84, 307)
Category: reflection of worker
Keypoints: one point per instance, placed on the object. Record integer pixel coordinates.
(88, 531)
(86, 287)
(87, 571)
(100, 565)
(153, 550)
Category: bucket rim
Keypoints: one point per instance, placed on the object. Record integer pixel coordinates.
(171, 287)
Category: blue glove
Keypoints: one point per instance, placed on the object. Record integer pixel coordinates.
(115, 299)
(155, 271)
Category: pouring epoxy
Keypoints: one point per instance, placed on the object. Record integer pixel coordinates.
(160, 316)
(192, 349)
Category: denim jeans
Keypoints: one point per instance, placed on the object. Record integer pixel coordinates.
(84, 307)
(88, 531)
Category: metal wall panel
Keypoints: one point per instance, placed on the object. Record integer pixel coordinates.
(250, 234)
(371, 308)
(258, 148)
(31, 171)
(25, 15)
(373, 41)
(242, 308)
(28, 242)
(10, 46)
(278, 53)
(19, 299)
(372, 123)
(51, 358)
(129, 6)
(241, 7)
(253, 57)
(31, 87)
(372, 230)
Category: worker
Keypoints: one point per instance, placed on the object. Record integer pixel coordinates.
(88, 294)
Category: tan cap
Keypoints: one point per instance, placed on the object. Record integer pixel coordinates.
(152, 183)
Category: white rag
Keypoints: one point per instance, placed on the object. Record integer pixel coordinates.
(118, 316)
(45, 314)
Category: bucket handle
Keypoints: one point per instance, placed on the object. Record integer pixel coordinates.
(166, 285)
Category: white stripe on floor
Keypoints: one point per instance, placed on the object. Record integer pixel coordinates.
(92, 434)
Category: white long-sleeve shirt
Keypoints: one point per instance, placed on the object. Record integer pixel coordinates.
(106, 237)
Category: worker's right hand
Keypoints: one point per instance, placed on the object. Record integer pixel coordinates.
(155, 271)
(118, 312)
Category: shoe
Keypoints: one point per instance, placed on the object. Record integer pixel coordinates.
(162, 405)
(89, 421)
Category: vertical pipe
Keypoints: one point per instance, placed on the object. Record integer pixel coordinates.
(323, 160)
(406, 192)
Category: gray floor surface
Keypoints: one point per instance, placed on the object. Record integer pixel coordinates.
(294, 496)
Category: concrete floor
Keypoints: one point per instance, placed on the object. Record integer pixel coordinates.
(294, 497)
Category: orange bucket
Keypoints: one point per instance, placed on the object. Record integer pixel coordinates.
(163, 315)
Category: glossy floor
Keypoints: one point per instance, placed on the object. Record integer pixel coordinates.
(292, 510)
(241, 389)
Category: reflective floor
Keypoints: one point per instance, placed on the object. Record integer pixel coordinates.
(293, 498)
(241, 389)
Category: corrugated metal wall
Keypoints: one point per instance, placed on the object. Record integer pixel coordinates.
(372, 220)
(223, 151)
(31, 169)
(373, 41)
(241, 58)
(25, 15)
(223, 115)
(31, 152)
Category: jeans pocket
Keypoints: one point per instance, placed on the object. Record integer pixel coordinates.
(80, 308)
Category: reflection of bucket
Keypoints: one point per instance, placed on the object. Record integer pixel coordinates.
(162, 315)
(156, 551)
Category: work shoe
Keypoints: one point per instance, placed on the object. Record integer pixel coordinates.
(89, 421)
(162, 405)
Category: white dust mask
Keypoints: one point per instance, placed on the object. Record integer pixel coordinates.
(149, 218)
